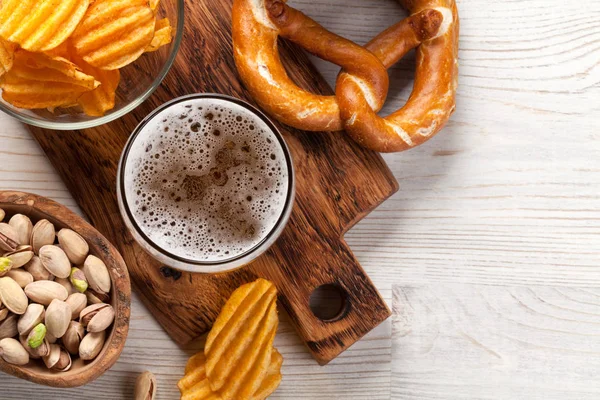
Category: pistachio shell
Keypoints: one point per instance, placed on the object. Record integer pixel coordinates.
(36, 353)
(73, 336)
(53, 356)
(43, 292)
(37, 270)
(97, 274)
(2, 215)
(91, 345)
(13, 352)
(78, 280)
(74, 245)
(51, 338)
(12, 296)
(55, 260)
(20, 257)
(145, 386)
(22, 277)
(66, 283)
(34, 315)
(3, 312)
(94, 297)
(43, 234)
(6, 265)
(89, 312)
(23, 226)
(77, 302)
(8, 327)
(7, 244)
(102, 320)
(58, 317)
(9, 231)
(36, 337)
(64, 362)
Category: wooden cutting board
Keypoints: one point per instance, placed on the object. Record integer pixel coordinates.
(338, 183)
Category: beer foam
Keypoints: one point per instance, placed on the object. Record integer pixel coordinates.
(206, 180)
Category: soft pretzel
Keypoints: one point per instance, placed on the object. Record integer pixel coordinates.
(362, 85)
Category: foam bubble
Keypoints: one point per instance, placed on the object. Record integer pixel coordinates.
(206, 180)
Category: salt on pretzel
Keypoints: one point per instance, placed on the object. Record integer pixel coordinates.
(362, 85)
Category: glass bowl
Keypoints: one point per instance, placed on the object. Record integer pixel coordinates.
(138, 81)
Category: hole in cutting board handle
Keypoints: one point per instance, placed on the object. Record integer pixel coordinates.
(328, 302)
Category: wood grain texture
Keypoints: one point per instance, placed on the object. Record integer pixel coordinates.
(506, 195)
(337, 183)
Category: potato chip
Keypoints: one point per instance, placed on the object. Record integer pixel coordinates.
(7, 55)
(195, 385)
(37, 80)
(114, 33)
(40, 25)
(97, 102)
(163, 34)
(239, 346)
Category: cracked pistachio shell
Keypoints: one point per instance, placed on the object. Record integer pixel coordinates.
(58, 317)
(35, 353)
(78, 280)
(9, 232)
(53, 356)
(73, 336)
(22, 277)
(36, 337)
(8, 327)
(37, 270)
(74, 245)
(55, 260)
(43, 234)
(145, 386)
(7, 244)
(103, 318)
(34, 315)
(23, 226)
(64, 361)
(6, 265)
(91, 345)
(13, 352)
(12, 296)
(94, 297)
(21, 256)
(3, 312)
(97, 274)
(43, 292)
(77, 302)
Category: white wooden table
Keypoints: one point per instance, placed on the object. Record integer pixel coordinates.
(490, 252)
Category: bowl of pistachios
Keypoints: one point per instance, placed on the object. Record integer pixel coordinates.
(64, 294)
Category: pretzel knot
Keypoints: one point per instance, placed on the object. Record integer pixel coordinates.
(362, 85)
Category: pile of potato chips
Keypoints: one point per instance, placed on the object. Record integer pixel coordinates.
(239, 361)
(68, 53)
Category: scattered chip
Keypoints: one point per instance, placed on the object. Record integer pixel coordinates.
(40, 25)
(37, 80)
(7, 54)
(239, 346)
(114, 33)
(97, 102)
(163, 35)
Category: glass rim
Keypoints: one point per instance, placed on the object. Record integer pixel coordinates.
(92, 123)
(239, 259)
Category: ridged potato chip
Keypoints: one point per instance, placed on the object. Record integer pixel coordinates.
(7, 55)
(239, 346)
(97, 102)
(37, 80)
(114, 33)
(40, 25)
(163, 34)
(195, 385)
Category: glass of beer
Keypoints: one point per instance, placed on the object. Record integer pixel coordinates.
(206, 183)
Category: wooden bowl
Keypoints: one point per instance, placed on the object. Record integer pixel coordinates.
(36, 208)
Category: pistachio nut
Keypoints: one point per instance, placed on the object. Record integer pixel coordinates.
(8, 327)
(103, 318)
(91, 345)
(7, 244)
(37, 270)
(2, 215)
(34, 315)
(9, 232)
(97, 274)
(74, 245)
(21, 256)
(23, 226)
(58, 317)
(78, 280)
(43, 234)
(22, 277)
(43, 292)
(145, 386)
(6, 265)
(55, 260)
(90, 312)
(73, 336)
(94, 297)
(53, 356)
(66, 283)
(35, 353)
(36, 337)
(64, 361)
(13, 352)
(12, 296)
(77, 302)
(3, 312)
